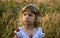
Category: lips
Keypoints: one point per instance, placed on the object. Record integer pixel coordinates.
(26, 20)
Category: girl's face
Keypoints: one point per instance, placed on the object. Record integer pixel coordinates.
(28, 18)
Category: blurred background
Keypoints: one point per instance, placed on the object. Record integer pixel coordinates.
(50, 16)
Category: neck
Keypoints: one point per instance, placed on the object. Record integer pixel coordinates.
(28, 27)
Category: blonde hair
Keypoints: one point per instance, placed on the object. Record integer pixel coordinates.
(35, 10)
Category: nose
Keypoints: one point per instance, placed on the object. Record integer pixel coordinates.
(27, 17)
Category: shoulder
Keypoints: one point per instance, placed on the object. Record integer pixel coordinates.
(41, 32)
(17, 32)
(40, 29)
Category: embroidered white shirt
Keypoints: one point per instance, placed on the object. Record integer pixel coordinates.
(22, 34)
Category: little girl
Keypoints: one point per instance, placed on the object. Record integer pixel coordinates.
(30, 17)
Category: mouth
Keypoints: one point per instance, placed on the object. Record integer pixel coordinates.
(27, 21)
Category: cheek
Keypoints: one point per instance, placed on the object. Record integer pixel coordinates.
(32, 19)
(23, 18)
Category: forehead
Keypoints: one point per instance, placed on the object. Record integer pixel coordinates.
(28, 11)
(32, 9)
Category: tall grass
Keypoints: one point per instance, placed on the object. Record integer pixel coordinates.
(50, 18)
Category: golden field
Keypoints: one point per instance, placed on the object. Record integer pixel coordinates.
(50, 17)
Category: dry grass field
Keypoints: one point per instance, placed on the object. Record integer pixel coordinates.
(50, 17)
